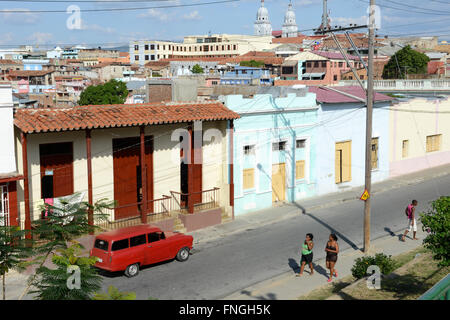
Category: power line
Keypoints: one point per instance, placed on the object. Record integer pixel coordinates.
(124, 9)
(411, 6)
(406, 10)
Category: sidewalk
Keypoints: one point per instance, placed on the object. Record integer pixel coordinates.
(289, 287)
(288, 210)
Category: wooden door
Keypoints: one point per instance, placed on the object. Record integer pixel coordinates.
(127, 175)
(56, 160)
(197, 163)
(278, 182)
(343, 162)
(126, 167)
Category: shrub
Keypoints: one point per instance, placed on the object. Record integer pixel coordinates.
(384, 262)
(437, 222)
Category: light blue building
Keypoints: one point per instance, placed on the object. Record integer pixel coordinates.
(275, 144)
(247, 76)
(342, 132)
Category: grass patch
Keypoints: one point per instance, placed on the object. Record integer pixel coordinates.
(338, 287)
(407, 283)
(328, 290)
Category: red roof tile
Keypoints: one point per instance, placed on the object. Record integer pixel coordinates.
(28, 73)
(325, 95)
(110, 116)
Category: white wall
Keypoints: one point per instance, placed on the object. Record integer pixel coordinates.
(7, 152)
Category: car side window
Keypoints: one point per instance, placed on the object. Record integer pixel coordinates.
(119, 245)
(153, 237)
(138, 240)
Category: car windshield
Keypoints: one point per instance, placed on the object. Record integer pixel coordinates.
(101, 244)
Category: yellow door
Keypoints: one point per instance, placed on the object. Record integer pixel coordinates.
(343, 162)
(278, 182)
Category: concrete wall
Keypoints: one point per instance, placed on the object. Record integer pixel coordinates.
(7, 154)
(415, 119)
(262, 124)
(344, 122)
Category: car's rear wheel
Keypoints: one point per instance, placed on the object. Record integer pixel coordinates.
(132, 270)
(183, 254)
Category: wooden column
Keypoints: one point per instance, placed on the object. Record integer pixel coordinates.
(26, 191)
(191, 170)
(89, 174)
(231, 172)
(143, 176)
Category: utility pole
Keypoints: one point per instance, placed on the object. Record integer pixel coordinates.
(369, 113)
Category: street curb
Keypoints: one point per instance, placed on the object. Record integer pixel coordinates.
(346, 253)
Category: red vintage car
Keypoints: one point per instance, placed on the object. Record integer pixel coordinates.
(128, 249)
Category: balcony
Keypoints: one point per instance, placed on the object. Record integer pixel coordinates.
(425, 85)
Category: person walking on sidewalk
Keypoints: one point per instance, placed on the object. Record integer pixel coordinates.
(410, 212)
(307, 254)
(332, 250)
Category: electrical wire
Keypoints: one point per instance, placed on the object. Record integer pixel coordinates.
(125, 9)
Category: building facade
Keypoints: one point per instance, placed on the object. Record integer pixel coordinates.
(420, 134)
(153, 159)
(341, 151)
(274, 148)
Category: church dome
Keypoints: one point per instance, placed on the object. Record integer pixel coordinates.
(263, 13)
(289, 17)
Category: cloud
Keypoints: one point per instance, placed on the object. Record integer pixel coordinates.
(18, 16)
(40, 37)
(97, 28)
(194, 15)
(153, 13)
(345, 21)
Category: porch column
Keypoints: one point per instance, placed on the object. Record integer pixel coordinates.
(89, 174)
(26, 191)
(191, 171)
(143, 176)
(231, 172)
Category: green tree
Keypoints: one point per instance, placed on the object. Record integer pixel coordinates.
(437, 222)
(405, 61)
(61, 226)
(14, 249)
(111, 92)
(197, 69)
(114, 294)
(252, 63)
(53, 284)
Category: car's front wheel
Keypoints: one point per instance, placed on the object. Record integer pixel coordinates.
(183, 254)
(132, 270)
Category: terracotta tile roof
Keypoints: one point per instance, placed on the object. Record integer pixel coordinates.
(259, 54)
(264, 58)
(329, 95)
(110, 116)
(28, 73)
(8, 61)
(298, 39)
(124, 54)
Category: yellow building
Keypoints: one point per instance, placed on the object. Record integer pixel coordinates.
(420, 134)
(218, 46)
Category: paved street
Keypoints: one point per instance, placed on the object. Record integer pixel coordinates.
(223, 266)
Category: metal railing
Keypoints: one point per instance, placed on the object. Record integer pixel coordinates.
(157, 209)
(209, 199)
(440, 291)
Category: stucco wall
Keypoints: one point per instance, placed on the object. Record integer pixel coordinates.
(345, 122)
(7, 156)
(414, 120)
(166, 166)
(262, 128)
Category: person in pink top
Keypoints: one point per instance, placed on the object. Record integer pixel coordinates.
(410, 212)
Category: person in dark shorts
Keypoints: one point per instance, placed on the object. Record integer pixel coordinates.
(332, 250)
(307, 254)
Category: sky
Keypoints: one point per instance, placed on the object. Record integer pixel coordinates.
(20, 24)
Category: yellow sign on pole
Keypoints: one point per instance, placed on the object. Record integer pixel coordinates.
(365, 195)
